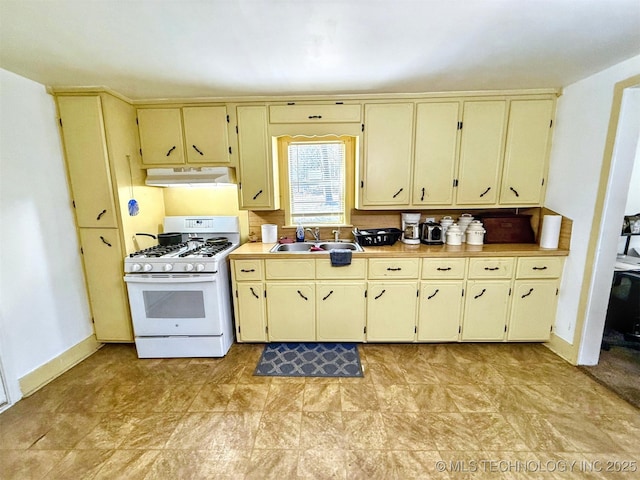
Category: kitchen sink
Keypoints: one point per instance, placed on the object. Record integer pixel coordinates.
(315, 247)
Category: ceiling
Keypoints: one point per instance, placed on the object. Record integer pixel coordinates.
(148, 49)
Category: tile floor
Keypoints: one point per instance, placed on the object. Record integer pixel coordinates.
(421, 411)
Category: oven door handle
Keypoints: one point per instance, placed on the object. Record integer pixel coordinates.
(167, 279)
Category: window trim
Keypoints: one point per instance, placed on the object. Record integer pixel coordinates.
(351, 143)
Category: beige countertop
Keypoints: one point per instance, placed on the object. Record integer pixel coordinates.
(399, 249)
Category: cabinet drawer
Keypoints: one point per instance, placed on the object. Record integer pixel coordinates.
(357, 269)
(314, 113)
(539, 267)
(491, 267)
(394, 268)
(247, 270)
(453, 268)
(294, 269)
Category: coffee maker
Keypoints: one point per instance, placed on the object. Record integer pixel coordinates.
(411, 228)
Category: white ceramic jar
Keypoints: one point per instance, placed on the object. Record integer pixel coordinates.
(474, 234)
(454, 235)
(445, 223)
(463, 222)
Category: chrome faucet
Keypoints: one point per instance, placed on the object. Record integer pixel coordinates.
(336, 235)
(315, 232)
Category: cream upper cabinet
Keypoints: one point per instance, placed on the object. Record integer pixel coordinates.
(385, 177)
(317, 113)
(526, 151)
(340, 311)
(435, 154)
(206, 134)
(258, 171)
(103, 266)
(205, 139)
(481, 147)
(83, 134)
(161, 136)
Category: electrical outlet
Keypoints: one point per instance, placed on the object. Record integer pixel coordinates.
(430, 219)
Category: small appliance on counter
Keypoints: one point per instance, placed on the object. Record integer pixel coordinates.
(411, 228)
(431, 233)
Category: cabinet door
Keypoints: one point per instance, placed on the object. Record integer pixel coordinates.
(206, 134)
(483, 128)
(291, 312)
(386, 175)
(103, 266)
(440, 313)
(526, 152)
(257, 185)
(533, 310)
(485, 310)
(250, 312)
(391, 311)
(435, 153)
(340, 311)
(88, 164)
(161, 136)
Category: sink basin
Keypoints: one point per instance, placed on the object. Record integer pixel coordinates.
(320, 247)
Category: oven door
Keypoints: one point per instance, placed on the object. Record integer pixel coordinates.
(174, 304)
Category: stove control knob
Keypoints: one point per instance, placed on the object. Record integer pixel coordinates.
(199, 267)
(188, 267)
(136, 267)
(168, 267)
(147, 267)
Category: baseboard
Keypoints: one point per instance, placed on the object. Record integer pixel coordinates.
(562, 348)
(42, 375)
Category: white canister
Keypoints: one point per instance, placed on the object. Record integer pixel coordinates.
(269, 233)
(463, 222)
(454, 235)
(475, 233)
(445, 223)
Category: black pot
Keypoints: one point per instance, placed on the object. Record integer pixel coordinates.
(165, 239)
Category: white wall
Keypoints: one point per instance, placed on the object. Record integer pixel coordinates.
(582, 121)
(43, 305)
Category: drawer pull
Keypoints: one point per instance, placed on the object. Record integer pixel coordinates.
(481, 293)
(171, 150)
(528, 293)
(540, 268)
(446, 269)
(104, 241)
(257, 194)
(328, 295)
(254, 293)
(381, 293)
(398, 193)
(433, 294)
(311, 117)
(422, 197)
(485, 192)
(392, 269)
(514, 191)
(197, 149)
(492, 269)
(300, 293)
(251, 270)
(101, 214)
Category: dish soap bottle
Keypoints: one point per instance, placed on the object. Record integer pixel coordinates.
(299, 233)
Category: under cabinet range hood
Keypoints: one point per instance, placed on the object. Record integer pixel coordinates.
(190, 176)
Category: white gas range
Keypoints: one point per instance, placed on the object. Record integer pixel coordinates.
(180, 294)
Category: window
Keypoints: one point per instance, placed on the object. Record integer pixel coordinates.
(316, 173)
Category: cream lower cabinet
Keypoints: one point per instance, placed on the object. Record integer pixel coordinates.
(487, 299)
(249, 300)
(291, 311)
(534, 299)
(340, 311)
(391, 311)
(441, 299)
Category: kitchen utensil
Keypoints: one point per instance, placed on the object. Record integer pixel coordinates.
(454, 235)
(171, 238)
(411, 228)
(431, 233)
(133, 206)
(474, 234)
